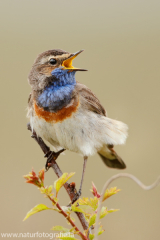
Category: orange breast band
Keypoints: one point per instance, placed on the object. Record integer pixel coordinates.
(58, 116)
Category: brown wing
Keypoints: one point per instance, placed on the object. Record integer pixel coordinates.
(89, 99)
(91, 102)
(30, 100)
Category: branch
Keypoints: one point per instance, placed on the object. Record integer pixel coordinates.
(68, 219)
(70, 188)
(136, 180)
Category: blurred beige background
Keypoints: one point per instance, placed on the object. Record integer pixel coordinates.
(121, 39)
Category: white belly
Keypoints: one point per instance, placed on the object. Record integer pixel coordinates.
(85, 132)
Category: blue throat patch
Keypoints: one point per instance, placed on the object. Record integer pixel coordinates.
(58, 94)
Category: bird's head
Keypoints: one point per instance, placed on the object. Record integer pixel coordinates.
(50, 66)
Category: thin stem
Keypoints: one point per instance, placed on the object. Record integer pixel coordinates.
(69, 187)
(68, 218)
(84, 167)
(136, 180)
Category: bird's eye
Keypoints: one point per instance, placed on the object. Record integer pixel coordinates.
(52, 61)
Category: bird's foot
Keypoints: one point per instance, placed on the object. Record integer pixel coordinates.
(77, 196)
(51, 157)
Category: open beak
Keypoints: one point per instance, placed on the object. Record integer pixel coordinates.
(67, 64)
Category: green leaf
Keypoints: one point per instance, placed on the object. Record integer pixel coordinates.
(47, 190)
(60, 228)
(76, 209)
(109, 192)
(42, 190)
(91, 236)
(61, 181)
(92, 220)
(50, 189)
(86, 209)
(100, 230)
(103, 212)
(82, 208)
(38, 208)
(92, 202)
(112, 210)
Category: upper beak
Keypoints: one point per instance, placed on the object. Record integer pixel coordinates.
(67, 63)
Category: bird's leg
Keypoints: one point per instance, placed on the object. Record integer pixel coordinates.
(52, 156)
(78, 194)
(84, 167)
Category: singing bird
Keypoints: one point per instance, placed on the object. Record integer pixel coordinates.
(67, 114)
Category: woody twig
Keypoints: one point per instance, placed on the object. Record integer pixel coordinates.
(70, 188)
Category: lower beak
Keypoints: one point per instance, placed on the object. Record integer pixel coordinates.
(67, 64)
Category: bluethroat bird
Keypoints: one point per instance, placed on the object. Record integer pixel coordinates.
(67, 114)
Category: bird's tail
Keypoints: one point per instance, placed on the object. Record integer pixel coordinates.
(111, 158)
